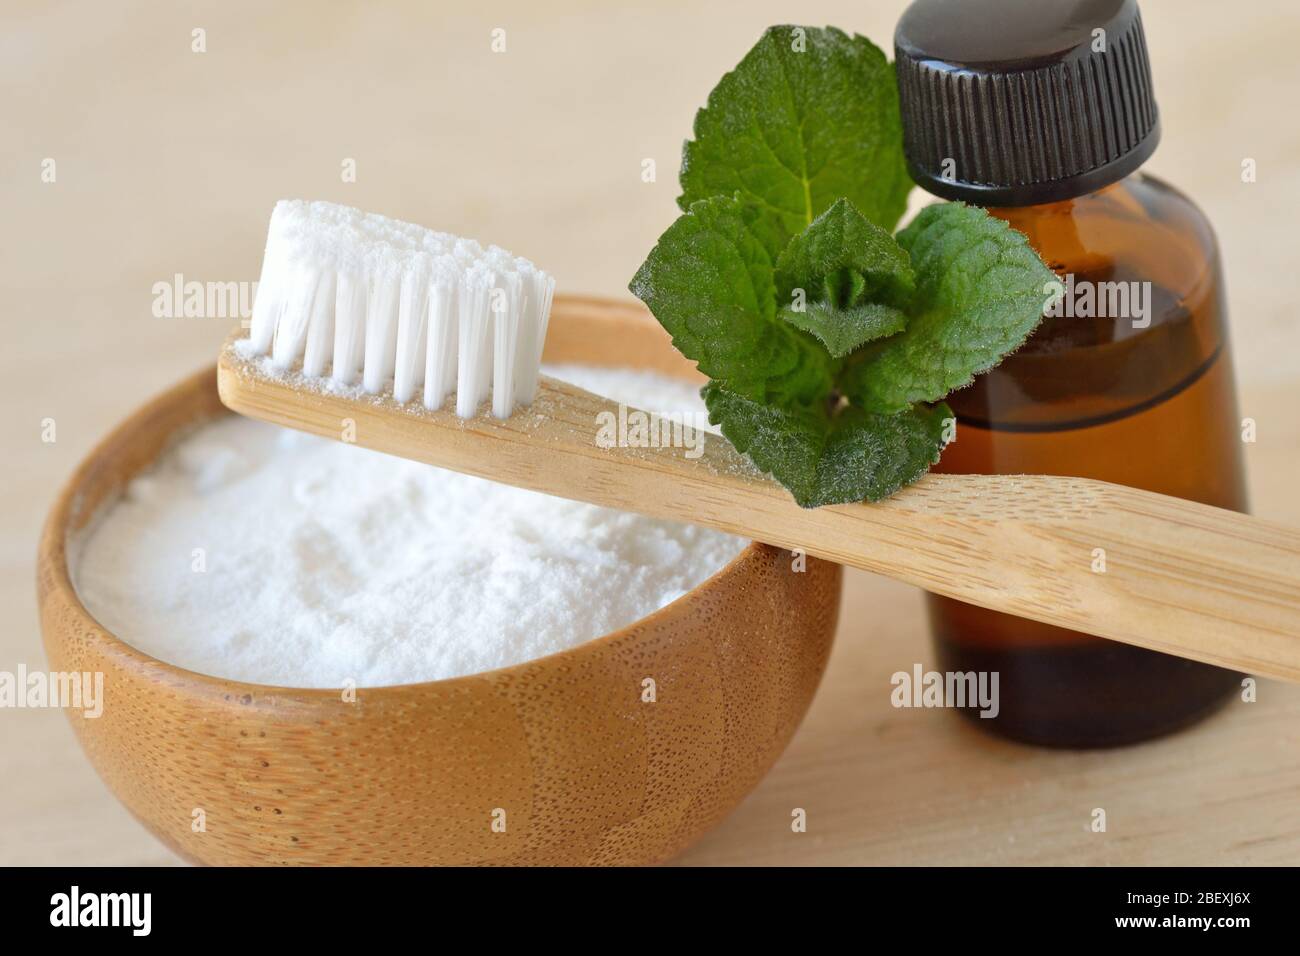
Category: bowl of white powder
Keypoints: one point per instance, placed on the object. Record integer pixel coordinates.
(317, 654)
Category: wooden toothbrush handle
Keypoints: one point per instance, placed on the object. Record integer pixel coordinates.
(1179, 577)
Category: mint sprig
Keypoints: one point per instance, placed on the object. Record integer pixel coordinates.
(829, 343)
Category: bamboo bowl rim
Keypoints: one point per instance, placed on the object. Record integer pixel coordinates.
(58, 534)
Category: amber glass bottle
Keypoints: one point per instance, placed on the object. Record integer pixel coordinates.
(1015, 105)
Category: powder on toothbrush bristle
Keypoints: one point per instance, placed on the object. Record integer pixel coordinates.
(253, 553)
(386, 302)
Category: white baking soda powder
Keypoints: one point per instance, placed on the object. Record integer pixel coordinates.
(259, 554)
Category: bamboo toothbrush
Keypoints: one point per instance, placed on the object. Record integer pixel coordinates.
(1181, 577)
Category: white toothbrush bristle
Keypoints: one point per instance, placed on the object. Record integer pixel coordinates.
(381, 327)
(507, 305)
(412, 317)
(319, 346)
(364, 298)
(475, 332)
(440, 347)
(349, 325)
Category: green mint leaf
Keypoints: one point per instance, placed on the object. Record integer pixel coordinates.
(844, 330)
(844, 258)
(825, 460)
(808, 116)
(710, 282)
(980, 291)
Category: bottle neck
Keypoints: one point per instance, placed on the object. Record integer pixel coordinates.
(1054, 230)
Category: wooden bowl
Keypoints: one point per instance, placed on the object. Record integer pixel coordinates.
(555, 761)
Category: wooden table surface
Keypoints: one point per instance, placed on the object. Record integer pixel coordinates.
(168, 161)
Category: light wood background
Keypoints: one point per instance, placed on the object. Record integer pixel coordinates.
(168, 161)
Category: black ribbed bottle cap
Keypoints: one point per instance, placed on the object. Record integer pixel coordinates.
(1019, 102)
